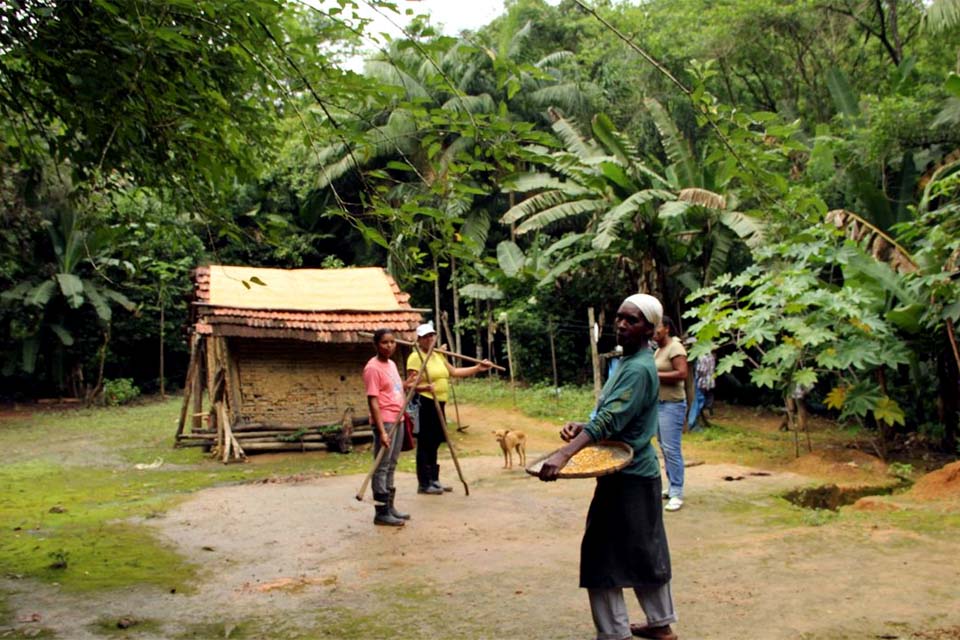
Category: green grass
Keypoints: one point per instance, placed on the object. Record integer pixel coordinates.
(536, 401)
(69, 488)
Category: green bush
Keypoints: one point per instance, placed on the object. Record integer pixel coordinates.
(119, 391)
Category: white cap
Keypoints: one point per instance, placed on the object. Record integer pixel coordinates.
(425, 329)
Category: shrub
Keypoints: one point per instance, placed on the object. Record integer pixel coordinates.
(119, 391)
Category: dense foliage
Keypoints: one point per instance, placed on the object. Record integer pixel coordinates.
(785, 175)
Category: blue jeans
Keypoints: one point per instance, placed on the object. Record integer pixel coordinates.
(669, 436)
(699, 402)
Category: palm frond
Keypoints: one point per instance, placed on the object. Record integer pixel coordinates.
(538, 181)
(565, 267)
(572, 138)
(567, 95)
(703, 197)
(397, 136)
(517, 40)
(390, 73)
(676, 146)
(558, 213)
(533, 204)
(749, 229)
(943, 14)
(609, 224)
(566, 241)
(614, 141)
(482, 103)
(722, 243)
(554, 58)
(878, 244)
(460, 145)
(475, 229)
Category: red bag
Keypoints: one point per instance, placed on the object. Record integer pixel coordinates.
(408, 443)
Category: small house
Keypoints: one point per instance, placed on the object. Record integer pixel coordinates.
(278, 355)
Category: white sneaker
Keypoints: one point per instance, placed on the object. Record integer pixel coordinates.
(665, 494)
(674, 504)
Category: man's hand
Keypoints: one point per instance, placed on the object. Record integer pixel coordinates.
(384, 438)
(550, 470)
(485, 365)
(571, 430)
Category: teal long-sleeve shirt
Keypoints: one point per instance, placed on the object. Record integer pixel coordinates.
(627, 411)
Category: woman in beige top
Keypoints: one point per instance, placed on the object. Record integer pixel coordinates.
(671, 359)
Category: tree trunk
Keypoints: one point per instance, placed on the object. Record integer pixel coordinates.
(479, 345)
(163, 394)
(456, 306)
(436, 294)
(948, 401)
(594, 354)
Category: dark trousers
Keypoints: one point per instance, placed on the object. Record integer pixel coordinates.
(429, 437)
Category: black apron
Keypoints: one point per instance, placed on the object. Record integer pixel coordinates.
(625, 544)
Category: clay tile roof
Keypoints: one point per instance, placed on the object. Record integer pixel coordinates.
(320, 305)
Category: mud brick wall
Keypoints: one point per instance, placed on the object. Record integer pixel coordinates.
(296, 383)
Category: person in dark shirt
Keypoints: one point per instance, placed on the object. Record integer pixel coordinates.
(625, 544)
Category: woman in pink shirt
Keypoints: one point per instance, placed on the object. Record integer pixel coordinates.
(385, 400)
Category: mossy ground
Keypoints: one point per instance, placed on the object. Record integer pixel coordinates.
(70, 494)
(72, 502)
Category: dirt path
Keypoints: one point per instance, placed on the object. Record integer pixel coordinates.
(301, 559)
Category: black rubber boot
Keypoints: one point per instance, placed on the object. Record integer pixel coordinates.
(424, 472)
(393, 509)
(435, 479)
(383, 517)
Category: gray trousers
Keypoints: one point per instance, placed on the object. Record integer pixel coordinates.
(610, 610)
(383, 476)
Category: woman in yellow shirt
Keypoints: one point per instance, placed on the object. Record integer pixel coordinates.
(430, 433)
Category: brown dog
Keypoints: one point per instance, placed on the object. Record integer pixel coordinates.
(510, 441)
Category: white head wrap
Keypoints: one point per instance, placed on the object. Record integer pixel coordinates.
(649, 306)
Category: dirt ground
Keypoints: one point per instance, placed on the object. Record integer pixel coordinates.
(300, 558)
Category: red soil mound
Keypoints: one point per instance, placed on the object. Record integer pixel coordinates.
(942, 484)
(841, 465)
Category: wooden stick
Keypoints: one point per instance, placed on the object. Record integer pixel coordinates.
(446, 436)
(383, 450)
(188, 385)
(407, 343)
(453, 387)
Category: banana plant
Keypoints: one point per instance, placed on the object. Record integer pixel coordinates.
(628, 207)
(50, 309)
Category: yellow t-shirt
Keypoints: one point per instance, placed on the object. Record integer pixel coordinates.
(664, 358)
(436, 369)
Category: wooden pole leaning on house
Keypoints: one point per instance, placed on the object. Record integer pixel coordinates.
(188, 386)
(407, 343)
(446, 435)
(396, 427)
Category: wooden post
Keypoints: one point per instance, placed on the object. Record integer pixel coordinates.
(553, 361)
(234, 399)
(594, 354)
(490, 331)
(478, 347)
(188, 385)
(163, 392)
(513, 388)
(198, 386)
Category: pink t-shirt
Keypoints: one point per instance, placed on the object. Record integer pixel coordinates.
(383, 382)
